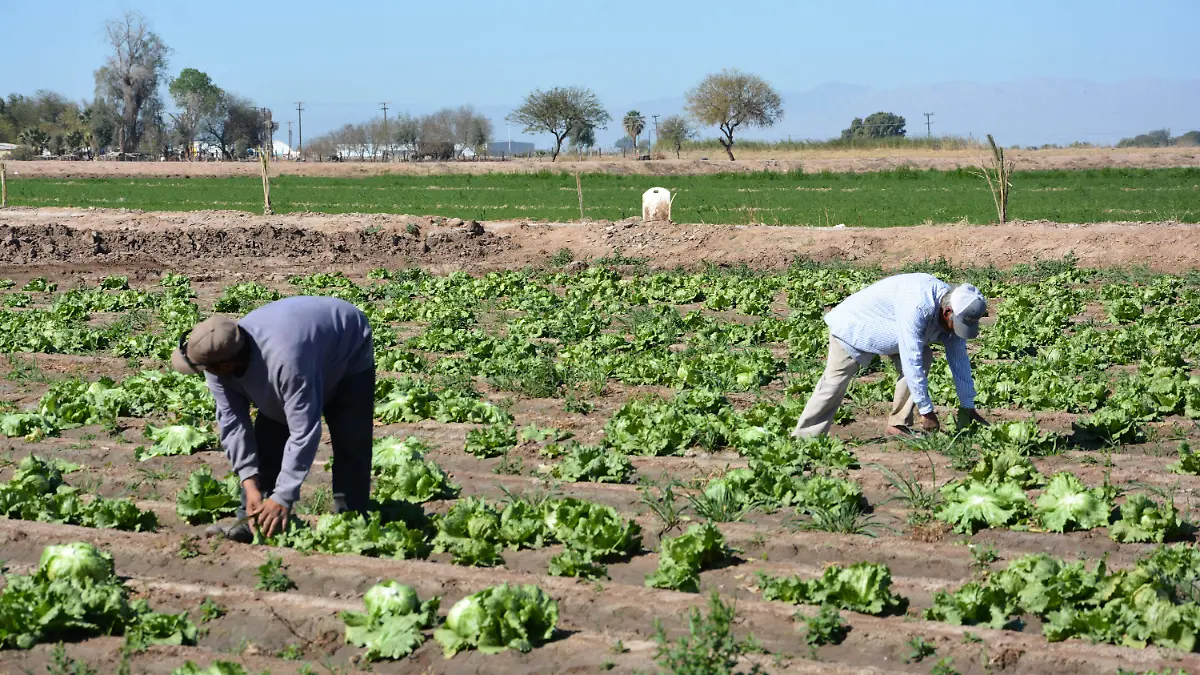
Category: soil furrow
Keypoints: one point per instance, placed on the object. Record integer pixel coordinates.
(612, 609)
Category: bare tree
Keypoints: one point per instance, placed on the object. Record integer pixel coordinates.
(437, 135)
(555, 112)
(440, 135)
(132, 74)
(472, 130)
(731, 99)
(322, 147)
(343, 141)
(675, 130)
(377, 141)
(356, 137)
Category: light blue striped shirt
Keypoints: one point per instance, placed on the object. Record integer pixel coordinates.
(898, 315)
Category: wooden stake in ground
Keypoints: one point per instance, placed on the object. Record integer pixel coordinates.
(3, 185)
(997, 176)
(264, 159)
(579, 191)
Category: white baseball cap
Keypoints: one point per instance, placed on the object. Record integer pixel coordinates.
(968, 306)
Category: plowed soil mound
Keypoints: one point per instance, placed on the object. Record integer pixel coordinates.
(242, 243)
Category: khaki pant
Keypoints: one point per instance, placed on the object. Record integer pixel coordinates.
(827, 396)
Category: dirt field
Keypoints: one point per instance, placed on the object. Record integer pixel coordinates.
(245, 245)
(218, 249)
(809, 161)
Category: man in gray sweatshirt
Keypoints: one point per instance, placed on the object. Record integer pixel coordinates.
(296, 360)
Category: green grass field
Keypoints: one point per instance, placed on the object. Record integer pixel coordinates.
(899, 197)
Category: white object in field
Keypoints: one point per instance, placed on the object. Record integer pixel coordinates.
(656, 204)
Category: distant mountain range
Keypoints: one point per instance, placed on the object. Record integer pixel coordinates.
(1024, 112)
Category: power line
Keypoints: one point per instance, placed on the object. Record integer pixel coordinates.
(300, 124)
(928, 123)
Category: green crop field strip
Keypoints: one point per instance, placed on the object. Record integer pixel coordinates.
(889, 198)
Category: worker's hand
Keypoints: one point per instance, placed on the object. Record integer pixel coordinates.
(929, 422)
(270, 515)
(970, 417)
(253, 494)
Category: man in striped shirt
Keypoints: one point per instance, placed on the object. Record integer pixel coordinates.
(899, 317)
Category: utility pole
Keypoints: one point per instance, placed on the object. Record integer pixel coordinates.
(290, 146)
(655, 134)
(387, 139)
(928, 131)
(300, 124)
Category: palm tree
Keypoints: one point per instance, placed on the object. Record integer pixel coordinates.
(35, 138)
(74, 140)
(634, 123)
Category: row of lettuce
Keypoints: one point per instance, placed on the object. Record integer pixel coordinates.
(75, 592)
(1151, 603)
(807, 476)
(780, 472)
(572, 333)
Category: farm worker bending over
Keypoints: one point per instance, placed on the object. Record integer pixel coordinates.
(899, 317)
(295, 359)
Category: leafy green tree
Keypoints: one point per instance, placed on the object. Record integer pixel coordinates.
(45, 112)
(58, 145)
(74, 140)
(555, 112)
(131, 75)
(1158, 138)
(196, 97)
(582, 136)
(732, 99)
(406, 131)
(100, 121)
(1190, 139)
(236, 126)
(674, 131)
(633, 124)
(877, 125)
(8, 130)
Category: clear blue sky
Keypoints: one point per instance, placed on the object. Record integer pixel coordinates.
(342, 58)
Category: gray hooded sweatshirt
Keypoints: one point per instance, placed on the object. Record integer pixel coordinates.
(301, 349)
